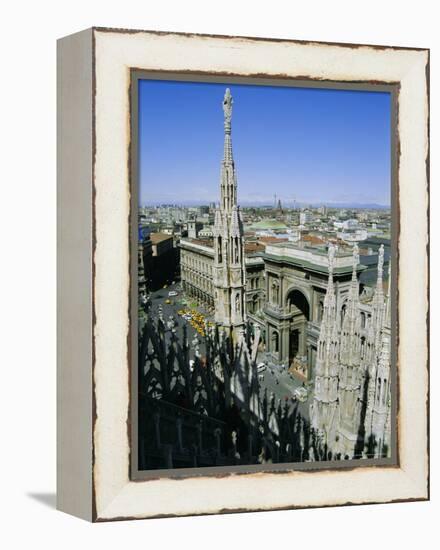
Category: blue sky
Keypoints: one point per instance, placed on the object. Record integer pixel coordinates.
(304, 144)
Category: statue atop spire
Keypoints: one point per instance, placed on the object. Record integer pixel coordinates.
(227, 109)
(387, 316)
(380, 263)
(355, 260)
(331, 259)
(228, 183)
(378, 303)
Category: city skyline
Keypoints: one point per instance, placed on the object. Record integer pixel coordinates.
(268, 206)
(306, 145)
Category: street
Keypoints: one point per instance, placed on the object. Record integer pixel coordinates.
(275, 378)
(279, 381)
(177, 303)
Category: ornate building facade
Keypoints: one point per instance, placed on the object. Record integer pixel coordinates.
(296, 281)
(351, 407)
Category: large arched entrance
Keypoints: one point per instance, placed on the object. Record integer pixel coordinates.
(299, 308)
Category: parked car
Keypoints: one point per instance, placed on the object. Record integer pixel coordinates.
(261, 367)
(172, 293)
(301, 394)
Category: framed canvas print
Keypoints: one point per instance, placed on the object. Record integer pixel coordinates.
(242, 274)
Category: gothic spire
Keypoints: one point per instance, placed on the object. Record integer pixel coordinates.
(236, 226)
(229, 276)
(328, 318)
(384, 360)
(218, 224)
(350, 338)
(378, 304)
(324, 407)
(387, 316)
(378, 404)
(228, 177)
(355, 262)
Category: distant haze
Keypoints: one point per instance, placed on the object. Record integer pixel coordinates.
(284, 204)
(307, 146)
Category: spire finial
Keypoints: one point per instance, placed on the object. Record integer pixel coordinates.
(389, 276)
(388, 298)
(331, 258)
(355, 259)
(227, 104)
(380, 263)
(227, 109)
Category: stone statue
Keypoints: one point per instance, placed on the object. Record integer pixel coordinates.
(331, 257)
(355, 254)
(237, 304)
(227, 105)
(380, 260)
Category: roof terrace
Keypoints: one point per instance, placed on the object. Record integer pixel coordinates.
(315, 258)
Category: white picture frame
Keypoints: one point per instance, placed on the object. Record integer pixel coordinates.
(94, 274)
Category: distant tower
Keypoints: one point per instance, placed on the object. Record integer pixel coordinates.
(280, 208)
(229, 259)
(193, 229)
